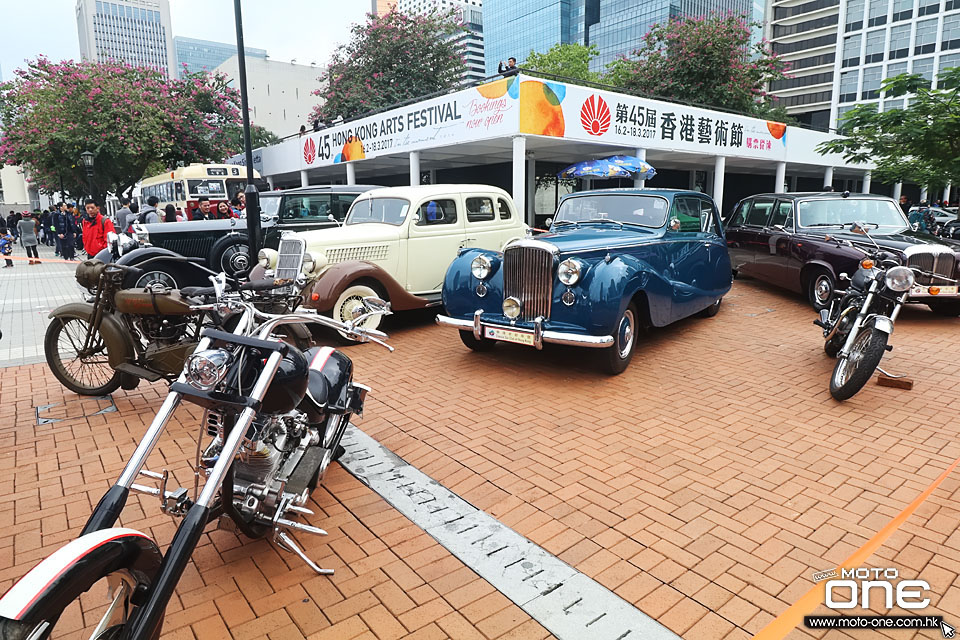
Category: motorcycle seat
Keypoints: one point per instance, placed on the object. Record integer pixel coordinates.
(145, 302)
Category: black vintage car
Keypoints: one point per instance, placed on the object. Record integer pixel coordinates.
(221, 245)
(803, 242)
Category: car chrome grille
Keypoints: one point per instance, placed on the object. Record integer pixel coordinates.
(934, 259)
(368, 252)
(289, 260)
(528, 277)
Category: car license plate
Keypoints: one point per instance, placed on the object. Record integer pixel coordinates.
(944, 291)
(506, 335)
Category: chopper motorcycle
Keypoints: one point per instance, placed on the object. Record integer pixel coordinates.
(274, 416)
(859, 321)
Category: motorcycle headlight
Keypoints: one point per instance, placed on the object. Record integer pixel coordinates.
(481, 267)
(569, 271)
(267, 258)
(899, 279)
(206, 369)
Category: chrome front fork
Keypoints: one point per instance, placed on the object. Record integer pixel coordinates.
(858, 322)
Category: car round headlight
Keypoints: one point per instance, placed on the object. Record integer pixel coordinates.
(569, 271)
(511, 308)
(308, 263)
(899, 278)
(207, 368)
(481, 267)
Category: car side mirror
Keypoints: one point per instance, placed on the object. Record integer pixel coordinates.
(779, 227)
(843, 276)
(548, 222)
(674, 224)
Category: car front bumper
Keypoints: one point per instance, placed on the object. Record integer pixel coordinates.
(521, 335)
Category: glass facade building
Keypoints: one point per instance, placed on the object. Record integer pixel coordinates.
(136, 32)
(470, 13)
(616, 27)
(206, 55)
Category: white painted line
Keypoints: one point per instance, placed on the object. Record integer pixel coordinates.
(571, 605)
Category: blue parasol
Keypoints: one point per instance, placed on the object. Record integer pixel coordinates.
(635, 165)
(595, 169)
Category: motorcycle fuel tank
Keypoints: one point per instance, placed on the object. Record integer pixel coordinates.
(289, 385)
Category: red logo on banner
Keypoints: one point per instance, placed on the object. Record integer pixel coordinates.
(309, 151)
(595, 116)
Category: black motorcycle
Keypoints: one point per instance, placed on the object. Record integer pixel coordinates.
(859, 321)
(273, 420)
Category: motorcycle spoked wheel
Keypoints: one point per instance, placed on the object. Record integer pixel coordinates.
(87, 375)
(854, 371)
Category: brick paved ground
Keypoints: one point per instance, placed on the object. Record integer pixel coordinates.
(705, 484)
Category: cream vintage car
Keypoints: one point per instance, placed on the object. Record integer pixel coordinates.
(396, 243)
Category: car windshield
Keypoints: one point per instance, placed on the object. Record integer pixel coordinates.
(383, 210)
(842, 211)
(269, 204)
(646, 211)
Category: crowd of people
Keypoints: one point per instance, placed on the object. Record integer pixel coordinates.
(62, 226)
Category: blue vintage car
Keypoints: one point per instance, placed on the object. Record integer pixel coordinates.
(615, 261)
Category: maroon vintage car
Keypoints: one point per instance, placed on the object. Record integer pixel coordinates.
(802, 242)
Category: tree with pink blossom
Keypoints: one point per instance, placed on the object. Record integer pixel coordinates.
(133, 119)
(708, 60)
(391, 58)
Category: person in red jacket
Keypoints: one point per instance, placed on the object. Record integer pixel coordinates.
(98, 232)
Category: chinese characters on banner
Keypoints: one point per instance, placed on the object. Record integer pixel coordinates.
(643, 122)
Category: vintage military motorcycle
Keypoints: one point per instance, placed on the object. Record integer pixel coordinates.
(859, 321)
(119, 336)
(273, 419)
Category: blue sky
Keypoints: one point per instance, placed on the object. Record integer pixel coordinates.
(307, 30)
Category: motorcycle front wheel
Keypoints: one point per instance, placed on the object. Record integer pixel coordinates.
(854, 371)
(87, 373)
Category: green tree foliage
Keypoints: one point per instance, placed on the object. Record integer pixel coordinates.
(709, 60)
(130, 118)
(566, 60)
(920, 143)
(391, 58)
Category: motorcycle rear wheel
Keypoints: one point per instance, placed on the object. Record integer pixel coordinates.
(854, 371)
(90, 375)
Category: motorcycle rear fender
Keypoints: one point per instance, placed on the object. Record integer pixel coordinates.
(883, 323)
(120, 347)
(59, 579)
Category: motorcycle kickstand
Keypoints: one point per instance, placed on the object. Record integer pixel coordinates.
(287, 543)
(891, 375)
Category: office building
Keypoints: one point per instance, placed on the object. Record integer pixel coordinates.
(279, 93)
(841, 51)
(381, 7)
(136, 32)
(470, 12)
(205, 55)
(616, 27)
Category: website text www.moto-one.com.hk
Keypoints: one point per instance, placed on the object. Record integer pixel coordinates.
(873, 622)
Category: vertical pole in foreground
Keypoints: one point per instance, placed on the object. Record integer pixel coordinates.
(414, 168)
(867, 182)
(781, 178)
(638, 183)
(252, 195)
(719, 168)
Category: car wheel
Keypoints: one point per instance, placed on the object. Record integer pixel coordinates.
(231, 255)
(345, 309)
(949, 308)
(156, 274)
(471, 342)
(712, 310)
(820, 288)
(617, 356)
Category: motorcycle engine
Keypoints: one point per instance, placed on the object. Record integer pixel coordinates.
(270, 451)
(162, 329)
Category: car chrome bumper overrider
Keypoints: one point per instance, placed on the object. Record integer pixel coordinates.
(539, 335)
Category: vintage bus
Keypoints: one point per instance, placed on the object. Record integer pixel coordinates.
(183, 187)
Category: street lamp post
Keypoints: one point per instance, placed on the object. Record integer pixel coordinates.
(86, 159)
(252, 195)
